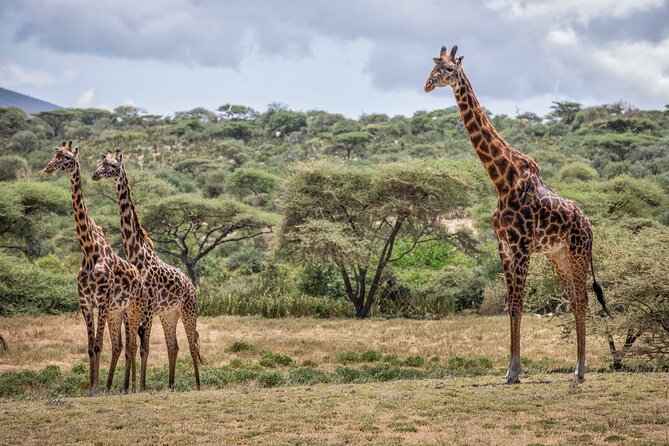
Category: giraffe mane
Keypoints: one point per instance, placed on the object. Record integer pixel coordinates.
(142, 232)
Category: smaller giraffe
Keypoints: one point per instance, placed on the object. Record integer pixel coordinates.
(105, 281)
(171, 294)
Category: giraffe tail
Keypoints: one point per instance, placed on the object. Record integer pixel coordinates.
(3, 343)
(197, 344)
(598, 290)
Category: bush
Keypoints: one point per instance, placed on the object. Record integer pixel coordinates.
(28, 289)
(13, 167)
(577, 171)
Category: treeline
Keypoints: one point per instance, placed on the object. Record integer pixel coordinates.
(285, 212)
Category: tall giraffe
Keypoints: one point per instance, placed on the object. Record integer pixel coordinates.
(105, 281)
(170, 292)
(530, 218)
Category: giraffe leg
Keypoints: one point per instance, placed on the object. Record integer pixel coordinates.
(129, 363)
(115, 326)
(169, 322)
(189, 318)
(133, 321)
(90, 330)
(579, 305)
(515, 271)
(561, 265)
(144, 339)
(97, 348)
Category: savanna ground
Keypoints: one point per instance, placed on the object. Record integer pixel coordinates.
(338, 381)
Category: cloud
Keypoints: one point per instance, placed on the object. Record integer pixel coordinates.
(562, 37)
(14, 75)
(572, 10)
(86, 98)
(513, 48)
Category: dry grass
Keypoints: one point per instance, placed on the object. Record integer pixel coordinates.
(607, 409)
(35, 342)
(610, 408)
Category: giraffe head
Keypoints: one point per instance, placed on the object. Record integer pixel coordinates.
(109, 167)
(445, 70)
(64, 159)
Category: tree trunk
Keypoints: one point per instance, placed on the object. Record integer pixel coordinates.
(192, 273)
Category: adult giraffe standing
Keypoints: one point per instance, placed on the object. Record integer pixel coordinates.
(104, 280)
(170, 292)
(530, 218)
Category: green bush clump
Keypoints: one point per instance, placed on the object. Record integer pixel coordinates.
(272, 360)
(270, 379)
(240, 346)
(28, 289)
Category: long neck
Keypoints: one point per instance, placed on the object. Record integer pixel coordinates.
(505, 165)
(131, 230)
(85, 224)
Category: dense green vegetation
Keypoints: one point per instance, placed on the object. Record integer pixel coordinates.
(380, 215)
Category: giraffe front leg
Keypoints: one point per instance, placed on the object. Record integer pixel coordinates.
(97, 347)
(515, 271)
(90, 331)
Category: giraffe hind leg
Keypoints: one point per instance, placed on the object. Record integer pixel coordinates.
(189, 318)
(169, 322)
(574, 285)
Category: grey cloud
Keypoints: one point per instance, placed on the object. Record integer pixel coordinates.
(506, 56)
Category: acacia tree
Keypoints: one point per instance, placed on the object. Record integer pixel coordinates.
(352, 217)
(189, 227)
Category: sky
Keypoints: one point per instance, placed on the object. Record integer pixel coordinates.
(344, 56)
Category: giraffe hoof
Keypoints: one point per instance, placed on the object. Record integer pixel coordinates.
(578, 379)
(94, 391)
(513, 380)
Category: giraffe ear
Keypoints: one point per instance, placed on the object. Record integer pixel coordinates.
(55, 149)
(436, 59)
(458, 60)
(119, 156)
(75, 151)
(102, 157)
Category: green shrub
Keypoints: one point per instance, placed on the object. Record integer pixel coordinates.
(13, 167)
(240, 346)
(28, 289)
(577, 171)
(272, 360)
(270, 379)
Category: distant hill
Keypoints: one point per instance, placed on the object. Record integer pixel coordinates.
(28, 104)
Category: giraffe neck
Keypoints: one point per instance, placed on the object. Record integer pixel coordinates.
(131, 229)
(85, 224)
(504, 164)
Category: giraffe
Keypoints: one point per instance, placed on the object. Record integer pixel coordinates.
(105, 281)
(170, 292)
(529, 218)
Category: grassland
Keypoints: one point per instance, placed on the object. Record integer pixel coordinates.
(310, 381)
